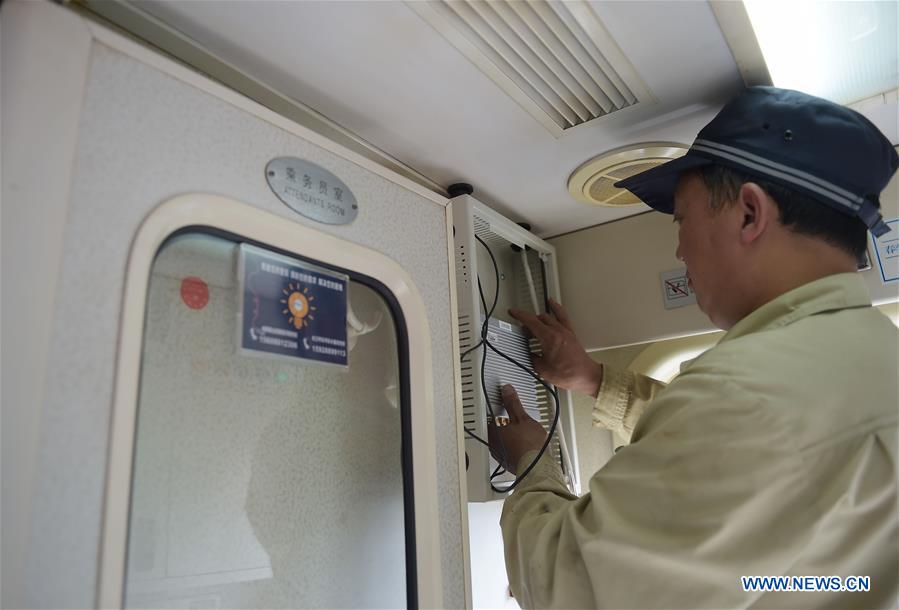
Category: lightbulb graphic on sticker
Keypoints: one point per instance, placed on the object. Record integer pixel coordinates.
(299, 306)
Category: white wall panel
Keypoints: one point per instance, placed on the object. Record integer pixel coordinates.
(42, 86)
(610, 279)
(146, 135)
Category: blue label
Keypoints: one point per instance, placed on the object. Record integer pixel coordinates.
(291, 308)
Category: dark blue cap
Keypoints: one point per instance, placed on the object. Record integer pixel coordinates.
(805, 143)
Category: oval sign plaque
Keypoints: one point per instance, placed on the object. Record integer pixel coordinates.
(311, 190)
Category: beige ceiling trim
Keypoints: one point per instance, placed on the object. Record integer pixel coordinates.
(737, 29)
(555, 59)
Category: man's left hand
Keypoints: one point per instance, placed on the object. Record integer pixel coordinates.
(509, 443)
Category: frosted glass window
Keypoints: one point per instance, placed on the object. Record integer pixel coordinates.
(264, 482)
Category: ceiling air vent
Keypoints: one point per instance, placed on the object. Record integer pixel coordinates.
(593, 182)
(556, 59)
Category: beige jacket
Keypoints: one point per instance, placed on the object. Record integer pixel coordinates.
(773, 453)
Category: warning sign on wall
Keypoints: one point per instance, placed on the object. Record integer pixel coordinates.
(291, 308)
(676, 291)
(886, 248)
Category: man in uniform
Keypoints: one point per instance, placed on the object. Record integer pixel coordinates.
(773, 453)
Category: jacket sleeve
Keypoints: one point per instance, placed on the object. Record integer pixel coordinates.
(622, 398)
(673, 519)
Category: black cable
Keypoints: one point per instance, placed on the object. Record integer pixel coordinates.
(468, 351)
(486, 342)
(475, 436)
(484, 327)
(553, 392)
(552, 429)
(502, 447)
(481, 342)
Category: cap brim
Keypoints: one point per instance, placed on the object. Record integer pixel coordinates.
(655, 187)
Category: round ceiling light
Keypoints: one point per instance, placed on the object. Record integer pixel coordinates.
(594, 181)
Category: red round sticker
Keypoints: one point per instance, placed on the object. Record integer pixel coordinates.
(194, 292)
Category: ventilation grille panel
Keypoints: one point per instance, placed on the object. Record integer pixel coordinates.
(469, 386)
(555, 58)
(594, 181)
(483, 230)
(498, 371)
(523, 290)
(470, 220)
(537, 402)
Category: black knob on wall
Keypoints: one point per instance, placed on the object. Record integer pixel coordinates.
(460, 188)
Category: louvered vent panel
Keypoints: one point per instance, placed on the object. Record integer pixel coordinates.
(482, 230)
(547, 407)
(604, 189)
(545, 404)
(594, 181)
(557, 54)
(523, 291)
(511, 341)
(468, 382)
(470, 219)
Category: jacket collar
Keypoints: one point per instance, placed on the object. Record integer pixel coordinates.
(834, 292)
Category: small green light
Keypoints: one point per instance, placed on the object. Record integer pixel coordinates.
(281, 376)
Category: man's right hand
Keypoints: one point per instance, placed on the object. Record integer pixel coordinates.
(564, 362)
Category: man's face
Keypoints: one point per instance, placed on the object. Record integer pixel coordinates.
(707, 249)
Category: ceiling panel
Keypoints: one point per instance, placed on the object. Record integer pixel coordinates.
(383, 72)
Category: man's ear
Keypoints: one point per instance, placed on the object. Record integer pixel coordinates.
(757, 212)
